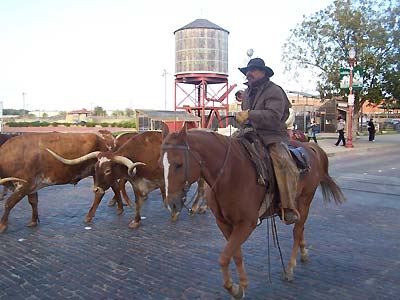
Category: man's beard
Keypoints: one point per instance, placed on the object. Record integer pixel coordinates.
(249, 77)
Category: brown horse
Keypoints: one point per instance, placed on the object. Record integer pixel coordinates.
(234, 196)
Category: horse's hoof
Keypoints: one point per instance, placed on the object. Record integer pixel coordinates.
(112, 203)
(289, 276)
(32, 224)
(134, 224)
(304, 255)
(88, 219)
(174, 217)
(120, 211)
(237, 292)
(3, 228)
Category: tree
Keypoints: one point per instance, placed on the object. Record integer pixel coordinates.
(117, 113)
(45, 116)
(322, 42)
(129, 112)
(99, 111)
(61, 115)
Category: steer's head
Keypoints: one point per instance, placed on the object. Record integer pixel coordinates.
(104, 175)
(109, 168)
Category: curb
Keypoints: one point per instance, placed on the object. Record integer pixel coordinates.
(381, 148)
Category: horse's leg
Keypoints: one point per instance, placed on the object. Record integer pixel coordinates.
(303, 249)
(298, 234)
(33, 201)
(14, 198)
(239, 234)
(135, 223)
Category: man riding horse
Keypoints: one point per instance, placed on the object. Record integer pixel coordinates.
(266, 108)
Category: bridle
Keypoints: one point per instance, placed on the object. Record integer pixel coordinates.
(187, 151)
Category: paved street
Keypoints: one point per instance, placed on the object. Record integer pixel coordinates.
(354, 248)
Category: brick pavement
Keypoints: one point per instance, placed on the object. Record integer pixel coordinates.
(354, 252)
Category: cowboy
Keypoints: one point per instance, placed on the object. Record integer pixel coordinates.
(266, 108)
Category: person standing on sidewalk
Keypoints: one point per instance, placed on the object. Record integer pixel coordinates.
(371, 130)
(312, 128)
(340, 130)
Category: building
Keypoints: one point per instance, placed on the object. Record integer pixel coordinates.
(78, 115)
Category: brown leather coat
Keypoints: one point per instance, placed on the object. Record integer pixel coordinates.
(269, 109)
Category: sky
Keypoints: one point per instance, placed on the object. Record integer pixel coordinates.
(74, 54)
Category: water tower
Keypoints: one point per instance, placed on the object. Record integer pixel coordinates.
(201, 71)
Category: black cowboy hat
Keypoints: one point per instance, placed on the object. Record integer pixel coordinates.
(257, 63)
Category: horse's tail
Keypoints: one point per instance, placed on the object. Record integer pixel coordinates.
(329, 187)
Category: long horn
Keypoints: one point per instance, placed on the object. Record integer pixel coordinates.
(128, 163)
(7, 179)
(75, 161)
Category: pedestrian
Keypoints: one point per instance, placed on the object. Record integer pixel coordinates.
(265, 109)
(371, 130)
(340, 130)
(312, 130)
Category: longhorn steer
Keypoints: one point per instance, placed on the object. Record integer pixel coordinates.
(143, 148)
(26, 157)
(4, 138)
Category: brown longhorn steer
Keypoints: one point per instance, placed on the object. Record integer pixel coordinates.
(109, 169)
(26, 157)
(4, 138)
(120, 140)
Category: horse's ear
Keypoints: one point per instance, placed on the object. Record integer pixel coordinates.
(182, 132)
(165, 130)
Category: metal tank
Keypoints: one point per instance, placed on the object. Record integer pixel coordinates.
(201, 47)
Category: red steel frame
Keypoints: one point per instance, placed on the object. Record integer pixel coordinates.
(197, 96)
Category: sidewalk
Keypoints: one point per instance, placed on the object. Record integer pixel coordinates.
(360, 144)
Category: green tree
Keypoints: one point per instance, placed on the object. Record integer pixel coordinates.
(321, 43)
(45, 116)
(99, 111)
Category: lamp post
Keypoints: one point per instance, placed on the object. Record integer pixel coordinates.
(164, 74)
(350, 101)
(23, 104)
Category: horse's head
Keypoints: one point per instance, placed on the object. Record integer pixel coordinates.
(181, 168)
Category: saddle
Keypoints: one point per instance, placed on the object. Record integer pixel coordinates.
(262, 162)
(301, 158)
(258, 155)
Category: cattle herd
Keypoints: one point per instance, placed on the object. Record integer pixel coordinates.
(31, 161)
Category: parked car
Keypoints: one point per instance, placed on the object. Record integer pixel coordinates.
(83, 123)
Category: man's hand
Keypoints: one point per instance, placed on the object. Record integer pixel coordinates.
(242, 116)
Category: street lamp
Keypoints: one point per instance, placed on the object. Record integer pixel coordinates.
(164, 74)
(249, 53)
(350, 101)
(23, 104)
